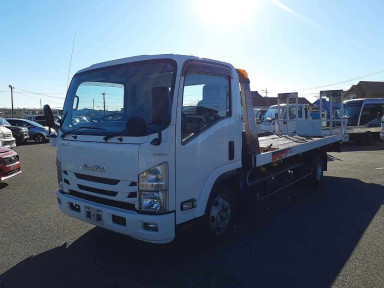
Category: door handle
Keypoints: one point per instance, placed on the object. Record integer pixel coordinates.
(231, 150)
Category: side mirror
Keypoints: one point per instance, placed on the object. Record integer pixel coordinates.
(49, 116)
(136, 126)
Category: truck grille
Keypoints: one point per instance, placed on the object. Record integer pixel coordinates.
(97, 191)
(97, 179)
(11, 160)
(7, 136)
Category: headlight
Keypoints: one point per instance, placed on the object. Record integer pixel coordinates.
(153, 189)
(59, 173)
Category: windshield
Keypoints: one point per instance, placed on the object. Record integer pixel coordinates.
(271, 113)
(4, 122)
(34, 124)
(352, 112)
(103, 100)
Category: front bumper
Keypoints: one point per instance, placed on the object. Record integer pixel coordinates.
(134, 221)
(10, 171)
(23, 137)
(8, 143)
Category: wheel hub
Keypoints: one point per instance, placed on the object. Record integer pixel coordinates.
(220, 215)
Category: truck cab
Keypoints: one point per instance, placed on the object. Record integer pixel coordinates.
(137, 162)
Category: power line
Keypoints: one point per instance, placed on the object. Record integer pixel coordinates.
(345, 81)
(38, 93)
(40, 98)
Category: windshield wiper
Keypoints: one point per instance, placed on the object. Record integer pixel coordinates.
(122, 133)
(82, 127)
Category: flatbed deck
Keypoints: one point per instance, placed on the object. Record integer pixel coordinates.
(280, 147)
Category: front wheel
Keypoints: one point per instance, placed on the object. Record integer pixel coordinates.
(219, 214)
(39, 139)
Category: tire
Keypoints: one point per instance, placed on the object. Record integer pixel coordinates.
(219, 214)
(317, 170)
(39, 138)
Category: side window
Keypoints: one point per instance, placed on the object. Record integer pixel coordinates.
(370, 112)
(206, 100)
(300, 110)
(292, 112)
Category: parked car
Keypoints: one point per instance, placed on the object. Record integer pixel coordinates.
(6, 138)
(41, 120)
(364, 118)
(10, 164)
(37, 132)
(382, 129)
(21, 134)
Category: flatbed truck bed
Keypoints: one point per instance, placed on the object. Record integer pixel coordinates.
(274, 147)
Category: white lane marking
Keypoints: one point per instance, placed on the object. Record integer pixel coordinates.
(380, 168)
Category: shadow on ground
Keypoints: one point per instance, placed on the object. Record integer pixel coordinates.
(300, 239)
(3, 185)
(374, 146)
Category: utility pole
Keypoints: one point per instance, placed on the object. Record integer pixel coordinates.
(10, 87)
(93, 101)
(40, 103)
(104, 100)
(266, 92)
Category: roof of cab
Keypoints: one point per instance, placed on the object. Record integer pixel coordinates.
(178, 58)
(366, 100)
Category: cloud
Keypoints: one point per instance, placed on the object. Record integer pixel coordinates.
(293, 12)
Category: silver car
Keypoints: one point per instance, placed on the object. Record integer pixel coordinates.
(37, 132)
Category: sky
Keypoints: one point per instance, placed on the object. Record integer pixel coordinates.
(284, 45)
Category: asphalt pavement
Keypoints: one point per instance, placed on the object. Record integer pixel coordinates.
(305, 237)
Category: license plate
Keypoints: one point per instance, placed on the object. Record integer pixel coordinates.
(93, 214)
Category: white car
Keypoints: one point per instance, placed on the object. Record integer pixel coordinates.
(6, 138)
(382, 129)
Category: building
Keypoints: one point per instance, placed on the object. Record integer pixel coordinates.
(265, 102)
(25, 112)
(366, 89)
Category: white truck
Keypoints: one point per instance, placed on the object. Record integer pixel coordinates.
(162, 145)
(269, 123)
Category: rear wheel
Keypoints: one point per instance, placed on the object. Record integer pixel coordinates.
(317, 169)
(219, 214)
(39, 138)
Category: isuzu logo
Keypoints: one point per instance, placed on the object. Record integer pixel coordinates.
(94, 168)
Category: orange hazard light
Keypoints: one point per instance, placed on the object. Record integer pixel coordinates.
(243, 73)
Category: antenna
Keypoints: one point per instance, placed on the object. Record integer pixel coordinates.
(70, 61)
(265, 91)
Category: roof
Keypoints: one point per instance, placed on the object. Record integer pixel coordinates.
(365, 100)
(178, 58)
(367, 86)
(256, 94)
(269, 101)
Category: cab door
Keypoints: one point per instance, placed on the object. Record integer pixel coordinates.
(206, 134)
